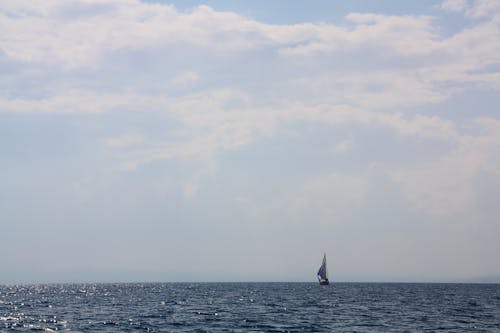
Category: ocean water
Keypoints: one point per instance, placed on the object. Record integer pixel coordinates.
(250, 307)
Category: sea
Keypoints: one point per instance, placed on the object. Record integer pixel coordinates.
(250, 307)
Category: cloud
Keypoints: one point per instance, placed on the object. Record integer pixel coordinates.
(192, 186)
(446, 185)
(251, 209)
(51, 33)
(54, 34)
(439, 188)
(484, 8)
(80, 102)
(327, 198)
(322, 200)
(343, 146)
(126, 140)
(374, 90)
(328, 77)
(486, 145)
(473, 8)
(418, 126)
(185, 79)
(454, 5)
(209, 125)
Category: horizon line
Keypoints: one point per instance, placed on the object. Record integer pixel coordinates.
(255, 282)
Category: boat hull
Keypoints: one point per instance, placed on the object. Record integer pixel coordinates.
(324, 282)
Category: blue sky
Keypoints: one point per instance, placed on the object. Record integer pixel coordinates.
(239, 140)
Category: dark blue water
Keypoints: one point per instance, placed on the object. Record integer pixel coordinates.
(251, 307)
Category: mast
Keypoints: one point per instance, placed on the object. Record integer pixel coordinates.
(324, 264)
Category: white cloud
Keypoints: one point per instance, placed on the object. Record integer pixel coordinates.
(126, 140)
(454, 5)
(185, 79)
(192, 186)
(210, 127)
(49, 33)
(321, 200)
(250, 208)
(221, 120)
(343, 146)
(487, 145)
(419, 126)
(373, 90)
(446, 185)
(473, 8)
(328, 199)
(41, 33)
(412, 66)
(404, 35)
(483, 8)
(440, 188)
(81, 102)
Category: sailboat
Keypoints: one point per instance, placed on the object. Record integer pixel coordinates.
(322, 273)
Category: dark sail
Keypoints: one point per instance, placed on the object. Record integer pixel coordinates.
(322, 272)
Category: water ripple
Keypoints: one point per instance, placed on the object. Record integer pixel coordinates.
(250, 307)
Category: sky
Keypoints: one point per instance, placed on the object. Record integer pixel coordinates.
(241, 140)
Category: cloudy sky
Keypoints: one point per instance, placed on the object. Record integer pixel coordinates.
(240, 140)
